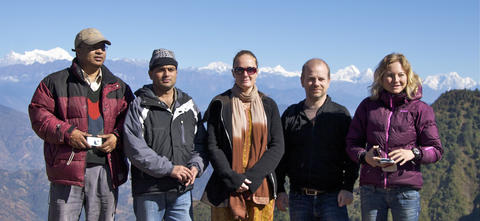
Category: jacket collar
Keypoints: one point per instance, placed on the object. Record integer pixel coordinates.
(150, 99)
(107, 76)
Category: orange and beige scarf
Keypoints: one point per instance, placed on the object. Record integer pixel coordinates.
(258, 146)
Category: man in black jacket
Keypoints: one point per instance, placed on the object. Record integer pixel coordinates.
(163, 139)
(320, 173)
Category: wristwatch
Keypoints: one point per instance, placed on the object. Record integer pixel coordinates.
(417, 153)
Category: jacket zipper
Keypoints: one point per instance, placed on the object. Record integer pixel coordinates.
(274, 186)
(386, 139)
(183, 132)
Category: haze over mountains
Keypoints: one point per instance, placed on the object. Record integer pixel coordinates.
(21, 73)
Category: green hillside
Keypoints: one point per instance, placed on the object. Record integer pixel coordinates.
(451, 190)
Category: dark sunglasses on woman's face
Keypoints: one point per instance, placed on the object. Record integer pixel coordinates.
(240, 70)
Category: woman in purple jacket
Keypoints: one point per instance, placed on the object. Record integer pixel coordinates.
(391, 135)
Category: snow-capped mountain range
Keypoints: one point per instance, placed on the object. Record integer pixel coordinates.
(35, 56)
(21, 73)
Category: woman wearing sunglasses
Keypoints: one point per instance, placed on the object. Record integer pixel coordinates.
(245, 144)
(392, 134)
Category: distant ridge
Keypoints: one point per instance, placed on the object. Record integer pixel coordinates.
(348, 87)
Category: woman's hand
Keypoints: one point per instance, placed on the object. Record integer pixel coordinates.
(244, 186)
(370, 157)
(401, 156)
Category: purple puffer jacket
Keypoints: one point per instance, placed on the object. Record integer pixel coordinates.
(393, 122)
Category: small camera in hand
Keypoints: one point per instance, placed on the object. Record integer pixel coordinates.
(386, 161)
(95, 141)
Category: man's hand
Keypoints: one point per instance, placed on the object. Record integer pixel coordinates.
(110, 143)
(77, 139)
(244, 187)
(282, 201)
(181, 173)
(344, 198)
(194, 171)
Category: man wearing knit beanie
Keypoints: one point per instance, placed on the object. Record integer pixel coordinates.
(164, 140)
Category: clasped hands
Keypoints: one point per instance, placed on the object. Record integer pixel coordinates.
(244, 187)
(184, 174)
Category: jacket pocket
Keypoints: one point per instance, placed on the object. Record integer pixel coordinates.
(50, 152)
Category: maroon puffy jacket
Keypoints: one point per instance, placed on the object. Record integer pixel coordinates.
(394, 122)
(59, 105)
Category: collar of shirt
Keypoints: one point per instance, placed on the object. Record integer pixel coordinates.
(310, 112)
(96, 83)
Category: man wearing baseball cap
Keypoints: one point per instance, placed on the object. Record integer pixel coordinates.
(164, 139)
(79, 113)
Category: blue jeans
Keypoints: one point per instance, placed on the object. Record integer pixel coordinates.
(320, 207)
(404, 202)
(168, 206)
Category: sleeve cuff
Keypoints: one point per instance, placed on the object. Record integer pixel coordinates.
(194, 164)
(361, 157)
(116, 133)
(67, 134)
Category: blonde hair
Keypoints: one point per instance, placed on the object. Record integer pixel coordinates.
(413, 80)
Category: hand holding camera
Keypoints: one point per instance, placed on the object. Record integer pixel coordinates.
(104, 142)
(109, 142)
(77, 139)
(375, 159)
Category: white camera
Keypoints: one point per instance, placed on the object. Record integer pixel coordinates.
(94, 141)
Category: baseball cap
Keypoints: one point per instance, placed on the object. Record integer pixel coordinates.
(90, 36)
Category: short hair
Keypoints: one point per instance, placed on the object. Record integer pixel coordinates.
(243, 52)
(413, 80)
(314, 61)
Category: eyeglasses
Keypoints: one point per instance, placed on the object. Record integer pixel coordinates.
(240, 70)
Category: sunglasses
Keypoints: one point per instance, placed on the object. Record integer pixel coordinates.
(103, 47)
(240, 70)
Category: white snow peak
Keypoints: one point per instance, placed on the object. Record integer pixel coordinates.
(449, 81)
(279, 70)
(353, 75)
(36, 55)
(218, 67)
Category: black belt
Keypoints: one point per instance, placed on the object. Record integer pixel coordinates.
(310, 192)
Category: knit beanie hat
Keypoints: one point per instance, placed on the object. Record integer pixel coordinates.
(162, 57)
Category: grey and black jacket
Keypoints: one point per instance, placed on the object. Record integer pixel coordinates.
(219, 126)
(157, 138)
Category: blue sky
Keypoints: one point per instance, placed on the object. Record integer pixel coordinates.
(436, 36)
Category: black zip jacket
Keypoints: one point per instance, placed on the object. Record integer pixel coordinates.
(219, 127)
(157, 138)
(315, 154)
